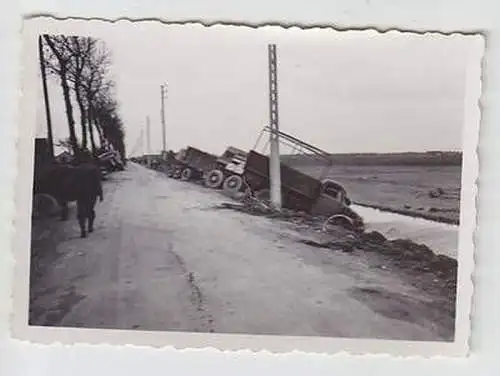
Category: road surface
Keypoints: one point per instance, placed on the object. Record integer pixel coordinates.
(163, 258)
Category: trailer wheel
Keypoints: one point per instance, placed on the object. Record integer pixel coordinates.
(214, 179)
(44, 205)
(233, 184)
(186, 174)
(338, 220)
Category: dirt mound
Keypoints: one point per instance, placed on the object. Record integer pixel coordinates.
(428, 270)
(373, 237)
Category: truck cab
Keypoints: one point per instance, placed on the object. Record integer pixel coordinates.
(332, 198)
(235, 166)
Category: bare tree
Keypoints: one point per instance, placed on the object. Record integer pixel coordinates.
(91, 61)
(80, 49)
(103, 104)
(110, 123)
(95, 84)
(59, 61)
(84, 62)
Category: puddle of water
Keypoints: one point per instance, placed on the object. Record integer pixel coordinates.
(442, 238)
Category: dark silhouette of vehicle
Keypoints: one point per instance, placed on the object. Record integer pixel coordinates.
(192, 164)
(229, 171)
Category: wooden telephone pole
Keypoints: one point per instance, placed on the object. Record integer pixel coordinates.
(41, 56)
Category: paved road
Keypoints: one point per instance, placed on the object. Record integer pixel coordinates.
(162, 258)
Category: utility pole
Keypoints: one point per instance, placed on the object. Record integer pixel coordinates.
(274, 159)
(148, 141)
(46, 96)
(141, 138)
(163, 95)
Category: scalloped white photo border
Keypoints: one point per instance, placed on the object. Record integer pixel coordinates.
(275, 344)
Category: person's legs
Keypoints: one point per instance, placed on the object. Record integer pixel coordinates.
(91, 212)
(64, 210)
(81, 216)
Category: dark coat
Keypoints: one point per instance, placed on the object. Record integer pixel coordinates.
(89, 184)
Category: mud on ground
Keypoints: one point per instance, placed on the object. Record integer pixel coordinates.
(414, 263)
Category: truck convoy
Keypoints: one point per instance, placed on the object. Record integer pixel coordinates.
(236, 170)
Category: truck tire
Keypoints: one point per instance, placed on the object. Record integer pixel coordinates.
(214, 179)
(232, 184)
(177, 173)
(339, 220)
(186, 174)
(44, 205)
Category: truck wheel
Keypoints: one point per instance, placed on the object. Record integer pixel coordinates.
(186, 174)
(177, 173)
(214, 179)
(338, 220)
(44, 205)
(233, 184)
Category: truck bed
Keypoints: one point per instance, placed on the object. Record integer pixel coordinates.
(199, 160)
(300, 191)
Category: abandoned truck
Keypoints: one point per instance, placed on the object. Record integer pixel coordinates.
(109, 160)
(163, 161)
(192, 164)
(229, 171)
(301, 192)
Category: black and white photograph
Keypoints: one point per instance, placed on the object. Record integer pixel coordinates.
(234, 182)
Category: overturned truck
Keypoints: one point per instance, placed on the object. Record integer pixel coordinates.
(192, 164)
(229, 171)
(300, 191)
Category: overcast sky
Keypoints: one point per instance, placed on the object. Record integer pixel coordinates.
(342, 91)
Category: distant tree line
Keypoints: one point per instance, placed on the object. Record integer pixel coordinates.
(81, 64)
(432, 158)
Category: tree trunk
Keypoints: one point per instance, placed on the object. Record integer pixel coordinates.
(83, 115)
(66, 94)
(69, 111)
(121, 150)
(99, 132)
(91, 130)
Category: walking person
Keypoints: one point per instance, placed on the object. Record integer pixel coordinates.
(88, 190)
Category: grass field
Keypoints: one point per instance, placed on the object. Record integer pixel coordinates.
(403, 189)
